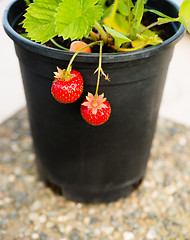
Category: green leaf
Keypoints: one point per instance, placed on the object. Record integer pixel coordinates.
(25, 35)
(123, 8)
(157, 13)
(119, 23)
(184, 14)
(76, 20)
(118, 37)
(40, 20)
(102, 3)
(129, 4)
(138, 12)
(107, 12)
(146, 38)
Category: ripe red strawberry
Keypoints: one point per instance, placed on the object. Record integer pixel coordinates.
(67, 87)
(95, 113)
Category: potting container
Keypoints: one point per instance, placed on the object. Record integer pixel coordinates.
(87, 163)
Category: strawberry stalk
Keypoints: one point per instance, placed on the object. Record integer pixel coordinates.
(94, 36)
(100, 70)
(101, 31)
(69, 67)
(58, 45)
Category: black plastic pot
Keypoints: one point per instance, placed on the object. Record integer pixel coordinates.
(94, 164)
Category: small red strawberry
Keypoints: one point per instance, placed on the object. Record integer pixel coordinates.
(67, 87)
(95, 112)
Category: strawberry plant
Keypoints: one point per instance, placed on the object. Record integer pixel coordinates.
(85, 23)
(118, 24)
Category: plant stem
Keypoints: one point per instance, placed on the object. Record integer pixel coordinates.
(99, 73)
(113, 13)
(130, 49)
(159, 23)
(58, 45)
(101, 31)
(76, 53)
(94, 36)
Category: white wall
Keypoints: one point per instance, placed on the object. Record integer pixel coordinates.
(11, 90)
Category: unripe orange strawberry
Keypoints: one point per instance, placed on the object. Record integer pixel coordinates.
(76, 45)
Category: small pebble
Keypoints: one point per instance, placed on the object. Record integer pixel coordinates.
(182, 141)
(13, 215)
(43, 236)
(7, 200)
(33, 216)
(35, 236)
(42, 218)
(49, 225)
(128, 236)
(151, 234)
(94, 220)
(11, 178)
(86, 220)
(17, 171)
(107, 229)
(35, 206)
(6, 159)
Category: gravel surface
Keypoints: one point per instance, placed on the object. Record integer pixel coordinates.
(159, 209)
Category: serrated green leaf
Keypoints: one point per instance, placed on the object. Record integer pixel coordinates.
(184, 14)
(25, 35)
(76, 20)
(40, 20)
(118, 37)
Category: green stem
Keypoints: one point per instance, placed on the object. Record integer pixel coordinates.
(115, 5)
(76, 53)
(159, 23)
(94, 36)
(130, 49)
(99, 73)
(59, 46)
(101, 31)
